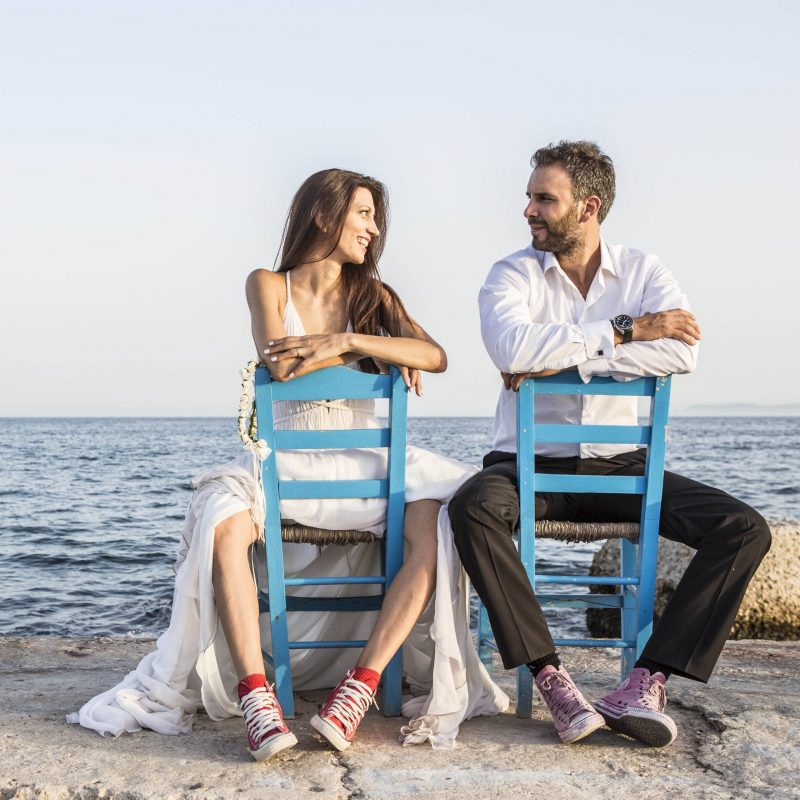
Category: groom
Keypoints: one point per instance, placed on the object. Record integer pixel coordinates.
(573, 301)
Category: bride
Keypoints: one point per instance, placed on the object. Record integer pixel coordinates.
(325, 305)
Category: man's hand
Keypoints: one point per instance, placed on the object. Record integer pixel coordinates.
(513, 380)
(673, 324)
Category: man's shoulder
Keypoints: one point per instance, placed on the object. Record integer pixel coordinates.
(523, 260)
(628, 260)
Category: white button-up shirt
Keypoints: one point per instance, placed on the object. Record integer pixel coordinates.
(534, 318)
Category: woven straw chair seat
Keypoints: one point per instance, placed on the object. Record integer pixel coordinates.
(301, 534)
(586, 531)
(545, 528)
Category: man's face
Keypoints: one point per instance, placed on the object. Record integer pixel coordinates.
(552, 213)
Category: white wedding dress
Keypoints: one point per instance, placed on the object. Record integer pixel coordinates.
(191, 665)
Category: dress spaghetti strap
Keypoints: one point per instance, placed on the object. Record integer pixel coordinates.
(291, 319)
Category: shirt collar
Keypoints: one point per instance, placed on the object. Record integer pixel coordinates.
(549, 260)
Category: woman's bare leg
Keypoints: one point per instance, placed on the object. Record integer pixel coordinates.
(235, 592)
(411, 589)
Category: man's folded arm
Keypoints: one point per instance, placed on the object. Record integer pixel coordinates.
(644, 359)
(662, 356)
(517, 344)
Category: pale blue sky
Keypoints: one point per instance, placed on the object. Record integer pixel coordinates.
(148, 153)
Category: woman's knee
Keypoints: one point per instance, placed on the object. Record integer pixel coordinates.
(421, 524)
(236, 532)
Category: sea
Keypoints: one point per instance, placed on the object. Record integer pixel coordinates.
(91, 510)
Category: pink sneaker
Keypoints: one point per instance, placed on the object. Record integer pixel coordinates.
(637, 709)
(343, 711)
(573, 716)
(267, 733)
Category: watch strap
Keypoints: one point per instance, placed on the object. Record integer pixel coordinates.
(627, 336)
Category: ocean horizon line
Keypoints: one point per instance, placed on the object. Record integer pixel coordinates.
(674, 414)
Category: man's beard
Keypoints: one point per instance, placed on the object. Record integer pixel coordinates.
(563, 235)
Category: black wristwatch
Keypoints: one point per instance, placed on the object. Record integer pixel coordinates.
(624, 324)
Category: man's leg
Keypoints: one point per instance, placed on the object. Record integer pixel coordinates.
(730, 539)
(484, 512)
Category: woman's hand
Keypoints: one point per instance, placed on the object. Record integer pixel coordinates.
(412, 379)
(307, 351)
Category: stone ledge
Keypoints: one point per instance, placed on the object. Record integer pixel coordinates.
(738, 737)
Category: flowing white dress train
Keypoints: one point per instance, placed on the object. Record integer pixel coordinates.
(191, 665)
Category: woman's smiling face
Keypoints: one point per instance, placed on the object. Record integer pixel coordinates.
(359, 229)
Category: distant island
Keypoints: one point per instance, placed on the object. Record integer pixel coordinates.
(738, 410)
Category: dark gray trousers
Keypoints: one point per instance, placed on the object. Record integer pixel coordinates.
(730, 539)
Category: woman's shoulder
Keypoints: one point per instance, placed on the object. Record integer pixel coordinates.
(261, 276)
(261, 282)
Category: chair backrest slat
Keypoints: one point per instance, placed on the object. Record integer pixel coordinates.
(312, 440)
(596, 484)
(298, 490)
(610, 434)
(571, 383)
(341, 383)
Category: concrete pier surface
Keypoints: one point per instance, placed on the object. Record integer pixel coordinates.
(739, 737)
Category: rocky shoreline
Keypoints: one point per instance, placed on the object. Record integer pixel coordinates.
(738, 738)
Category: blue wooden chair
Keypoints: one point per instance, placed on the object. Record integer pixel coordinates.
(344, 383)
(639, 543)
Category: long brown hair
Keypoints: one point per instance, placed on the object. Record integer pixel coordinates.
(373, 307)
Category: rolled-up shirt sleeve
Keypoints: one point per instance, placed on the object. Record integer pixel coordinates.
(516, 343)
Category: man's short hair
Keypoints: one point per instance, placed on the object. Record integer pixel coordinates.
(591, 170)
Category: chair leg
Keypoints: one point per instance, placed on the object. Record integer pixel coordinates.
(630, 605)
(524, 692)
(391, 561)
(484, 635)
(485, 653)
(647, 584)
(392, 686)
(278, 624)
(280, 660)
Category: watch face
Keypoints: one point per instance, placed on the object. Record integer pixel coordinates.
(623, 322)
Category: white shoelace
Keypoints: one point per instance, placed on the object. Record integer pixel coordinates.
(351, 702)
(654, 695)
(262, 713)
